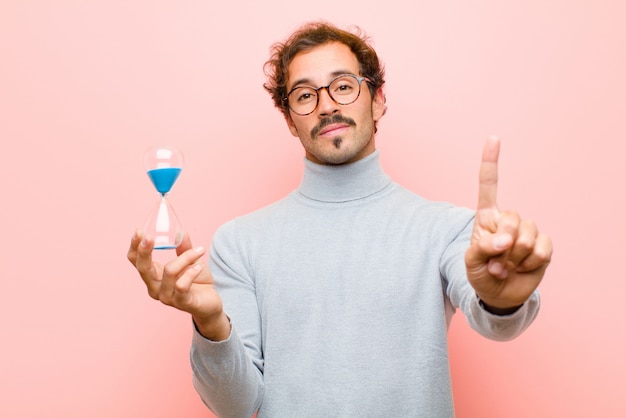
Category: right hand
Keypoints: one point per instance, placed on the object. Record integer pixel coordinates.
(185, 283)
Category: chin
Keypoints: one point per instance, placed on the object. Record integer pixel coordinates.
(338, 158)
(339, 151)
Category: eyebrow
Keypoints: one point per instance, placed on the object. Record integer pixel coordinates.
(307, 81)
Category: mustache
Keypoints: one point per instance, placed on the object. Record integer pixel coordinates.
(329, 121)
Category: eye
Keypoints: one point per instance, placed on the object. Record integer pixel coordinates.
(303, 94)
(305, 97)
(343, 86)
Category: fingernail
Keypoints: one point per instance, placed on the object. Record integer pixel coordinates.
(199, 249)
(496, 268)
(146, 240)
(500, 242)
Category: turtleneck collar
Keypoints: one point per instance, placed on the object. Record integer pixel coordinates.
(343, 183)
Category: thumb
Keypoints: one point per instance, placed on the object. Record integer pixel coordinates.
(486, 247)
(184, 245)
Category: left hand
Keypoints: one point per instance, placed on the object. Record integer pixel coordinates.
(507, 256)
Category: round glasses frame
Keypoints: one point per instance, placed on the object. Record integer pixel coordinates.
(330, 94)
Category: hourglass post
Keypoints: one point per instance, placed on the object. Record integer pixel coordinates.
(163, 166)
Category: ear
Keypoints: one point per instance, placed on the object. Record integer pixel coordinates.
(379, 105)
(292, 126)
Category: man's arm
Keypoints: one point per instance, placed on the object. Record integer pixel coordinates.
(223, 376)
(228, 375)
(501, 325)
(508, 256)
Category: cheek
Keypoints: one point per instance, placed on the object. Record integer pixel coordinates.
(292, 127)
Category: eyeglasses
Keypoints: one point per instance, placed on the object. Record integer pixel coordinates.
(343, 89)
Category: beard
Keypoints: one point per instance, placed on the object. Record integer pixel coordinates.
(356, 143)
(342, 151)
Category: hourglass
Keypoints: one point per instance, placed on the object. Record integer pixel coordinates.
(163, 165)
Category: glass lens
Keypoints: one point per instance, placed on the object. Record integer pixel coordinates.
(303, 100)
(344, 90)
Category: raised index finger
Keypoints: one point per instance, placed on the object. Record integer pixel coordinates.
(488, 177)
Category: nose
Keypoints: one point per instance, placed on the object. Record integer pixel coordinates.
(326, 105)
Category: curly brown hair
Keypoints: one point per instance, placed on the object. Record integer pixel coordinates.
(309, 36)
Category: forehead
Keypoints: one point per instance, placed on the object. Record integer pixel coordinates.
(320, 64)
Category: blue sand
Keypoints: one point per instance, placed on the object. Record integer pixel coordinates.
(164, 178)
(165, 247)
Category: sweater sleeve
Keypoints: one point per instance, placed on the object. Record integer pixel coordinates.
(228, 375)
(462, 295)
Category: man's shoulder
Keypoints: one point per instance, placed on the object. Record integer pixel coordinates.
(268, 213)
(405, 198)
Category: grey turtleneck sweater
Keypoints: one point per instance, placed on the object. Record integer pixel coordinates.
(340, 296)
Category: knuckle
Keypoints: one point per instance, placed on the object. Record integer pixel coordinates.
(165, 299)
(169, 271)
(142, 268)
(180, 287)
(543, 255)
(511, 219)
(154, 294)
(154, 290)
(544, 250)
(525, 243)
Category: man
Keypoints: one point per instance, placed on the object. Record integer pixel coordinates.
(335, 301)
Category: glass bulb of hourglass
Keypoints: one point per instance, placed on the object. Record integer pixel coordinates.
(163, 166)
(163, 226)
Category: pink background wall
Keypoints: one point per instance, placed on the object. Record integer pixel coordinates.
(86, 86)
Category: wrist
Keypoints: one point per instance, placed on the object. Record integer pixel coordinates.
(496, 310)
(216, 328)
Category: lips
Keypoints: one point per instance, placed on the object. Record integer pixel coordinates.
(330, 124)
(332, 129)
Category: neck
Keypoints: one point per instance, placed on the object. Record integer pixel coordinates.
(345, 182)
